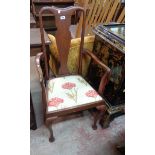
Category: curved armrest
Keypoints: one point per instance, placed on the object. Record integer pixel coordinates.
(105, 78)
(37, 60)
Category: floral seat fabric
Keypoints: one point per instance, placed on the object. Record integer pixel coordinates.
(70, 91)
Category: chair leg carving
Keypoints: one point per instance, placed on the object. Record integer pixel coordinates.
(51, 138)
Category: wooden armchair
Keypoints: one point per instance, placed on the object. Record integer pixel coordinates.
(66, 94)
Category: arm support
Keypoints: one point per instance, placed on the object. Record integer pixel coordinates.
(38, 58)
(41, 70)
(105, 78)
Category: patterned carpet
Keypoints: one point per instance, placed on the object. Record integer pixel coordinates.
(76, 137)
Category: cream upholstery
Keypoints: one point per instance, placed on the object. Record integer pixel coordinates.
(70, 91)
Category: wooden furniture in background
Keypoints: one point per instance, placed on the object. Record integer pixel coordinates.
(100, 11)
(67, 94)
(109, 47)
(35, 41)
(48, 18)
(32, 21)
(121, 17)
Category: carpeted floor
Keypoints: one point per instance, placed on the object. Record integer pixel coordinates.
(76, 137)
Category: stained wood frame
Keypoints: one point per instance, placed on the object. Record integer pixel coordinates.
(63, 48)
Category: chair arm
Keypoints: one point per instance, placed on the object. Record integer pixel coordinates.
(105, 78)
(37, 60)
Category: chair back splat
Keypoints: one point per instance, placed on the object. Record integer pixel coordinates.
(63, 36)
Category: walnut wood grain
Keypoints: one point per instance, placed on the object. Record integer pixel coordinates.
(63, 35)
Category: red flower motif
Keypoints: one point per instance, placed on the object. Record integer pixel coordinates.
(91, 93)
(68, 85)
(55, 101)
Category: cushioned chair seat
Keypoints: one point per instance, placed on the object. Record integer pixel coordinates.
(70, 91)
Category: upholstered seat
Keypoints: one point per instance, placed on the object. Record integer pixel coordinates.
(70, 91)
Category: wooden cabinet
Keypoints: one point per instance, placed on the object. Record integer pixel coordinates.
(48, 18)
(35, 41)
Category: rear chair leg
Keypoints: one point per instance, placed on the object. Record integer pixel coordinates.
(96, 118)
(51, 138)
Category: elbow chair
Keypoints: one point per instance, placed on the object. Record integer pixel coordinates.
(66, 93)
